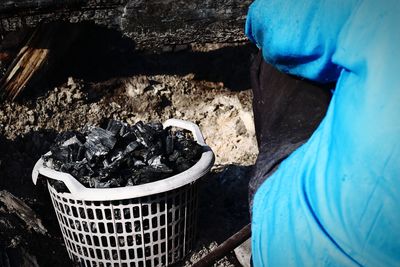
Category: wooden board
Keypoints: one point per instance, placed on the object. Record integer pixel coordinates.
(150, 23)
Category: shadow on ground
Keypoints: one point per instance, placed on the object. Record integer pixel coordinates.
(98, 54)
(223, 205)
(16, 163)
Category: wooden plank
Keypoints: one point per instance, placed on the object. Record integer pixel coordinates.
(26, 214)
(150, 23)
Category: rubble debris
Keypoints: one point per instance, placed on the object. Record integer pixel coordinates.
(122, 155)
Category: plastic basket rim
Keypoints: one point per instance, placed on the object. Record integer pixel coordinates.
(192, 174)
(80, 192)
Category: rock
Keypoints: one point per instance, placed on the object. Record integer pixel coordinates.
(136, 86)
(71, 83)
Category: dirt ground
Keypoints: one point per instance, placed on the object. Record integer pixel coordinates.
(206, 84)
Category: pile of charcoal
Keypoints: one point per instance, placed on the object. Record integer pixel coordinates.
(119, 154)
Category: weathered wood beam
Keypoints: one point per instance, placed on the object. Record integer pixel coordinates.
(150, 23)
(36, 58)
(24, 212)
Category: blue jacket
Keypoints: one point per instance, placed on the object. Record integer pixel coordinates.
(336, 200)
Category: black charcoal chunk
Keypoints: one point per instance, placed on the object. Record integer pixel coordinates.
(169, 145)
(98, 143)
(61, 153)
(114, 126)
(131, 147)
(122, 155)
(145, 135)
(182, 164)
(156, 126)
(58, 186)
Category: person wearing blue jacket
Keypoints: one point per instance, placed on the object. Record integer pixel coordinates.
(335, 201)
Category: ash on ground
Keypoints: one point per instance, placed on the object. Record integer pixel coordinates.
(120, 154)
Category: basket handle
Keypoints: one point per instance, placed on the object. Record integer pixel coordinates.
(198, 136)
(71, 183)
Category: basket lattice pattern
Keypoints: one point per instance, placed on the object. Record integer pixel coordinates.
(156, 230)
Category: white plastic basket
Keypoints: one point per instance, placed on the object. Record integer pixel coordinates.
(151, 224)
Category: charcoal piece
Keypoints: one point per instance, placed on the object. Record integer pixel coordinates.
(96, 183)
(73, 140)
(145, 134)
(114, 127)
(169, 145)
(192, 152)
(124, 130)
(146, 130)
(64, 136)
(127, 134)
(142, 138)
(180, 134)
(56, 165)
(68, 149)
(59, 186)
(130, 182)
(150, 174)
(60, 153)
(157, 147)
(139, 163)
(81, 169)
(156, 162)
(174, 156)
(189, 149)
(116, 155)
(76, 153)
(81, 153)
(154, 150)
(67, 153)
(156, 126)
(104, 173)
(98, 143)
(131, 147)
(101, 136)
(93, 181)
(85, 180)
(141, 154)
(114, 161)
(108, 184)
(67, 167)
(49, 162)
(182, 164)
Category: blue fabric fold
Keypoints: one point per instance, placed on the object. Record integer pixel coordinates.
(335, 201)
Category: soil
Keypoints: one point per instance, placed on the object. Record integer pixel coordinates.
(207, 84)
